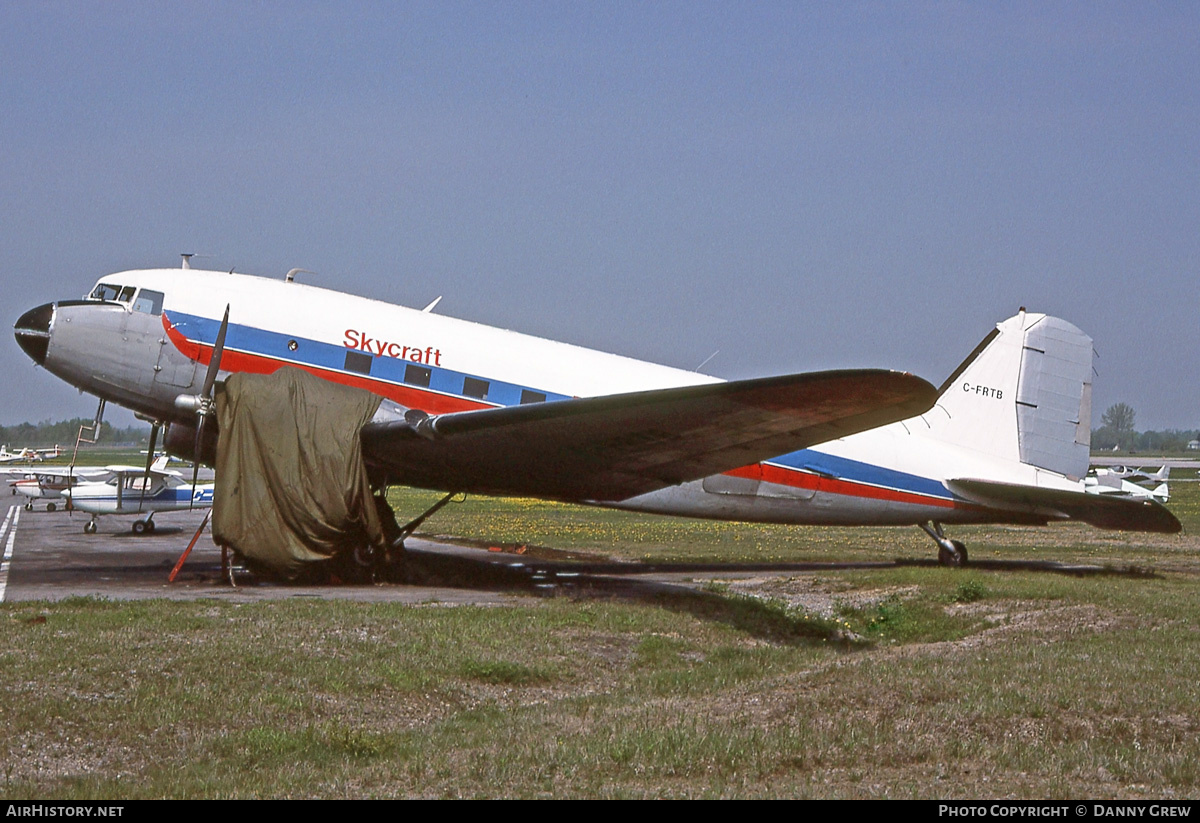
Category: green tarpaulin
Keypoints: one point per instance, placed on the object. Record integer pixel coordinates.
(291, 484)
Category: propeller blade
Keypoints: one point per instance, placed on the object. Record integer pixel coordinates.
(149, 462)
(196, 458)
(206, 395)
(214, 363)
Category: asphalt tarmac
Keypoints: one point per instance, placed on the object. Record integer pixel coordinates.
(47, 556)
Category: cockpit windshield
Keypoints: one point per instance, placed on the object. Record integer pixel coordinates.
(105, 291)
(148, 301)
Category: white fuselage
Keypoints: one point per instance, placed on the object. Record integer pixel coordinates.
(149, 340)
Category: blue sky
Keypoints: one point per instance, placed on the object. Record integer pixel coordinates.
(799, 186)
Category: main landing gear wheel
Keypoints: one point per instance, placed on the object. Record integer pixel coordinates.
(50, 507)
(143, 526)
(89, 527)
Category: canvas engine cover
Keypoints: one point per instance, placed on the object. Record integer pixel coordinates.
(292, 486)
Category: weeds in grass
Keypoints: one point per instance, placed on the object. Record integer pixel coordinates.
(969, 591)
(503, 672)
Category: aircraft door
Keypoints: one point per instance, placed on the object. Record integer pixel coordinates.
(140, 338)
(171, 367)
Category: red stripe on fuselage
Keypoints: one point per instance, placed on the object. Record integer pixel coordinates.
(833, 485)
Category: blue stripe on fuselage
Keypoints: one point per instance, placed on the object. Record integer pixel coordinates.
(332, 357)
(816, 462)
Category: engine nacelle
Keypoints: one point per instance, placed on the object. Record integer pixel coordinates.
(181, 442)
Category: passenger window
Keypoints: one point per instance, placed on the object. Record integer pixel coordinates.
(415, 375)
(356, 361)
(473, 387)
(528, 396)
(149, 301)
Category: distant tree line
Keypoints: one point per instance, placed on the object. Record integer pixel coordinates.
(63, 433)
(1117, 432)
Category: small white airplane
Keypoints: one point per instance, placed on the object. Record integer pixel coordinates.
(49, 485)
(28, 455)
(133, 490)
(473, 408)
(1129, 482)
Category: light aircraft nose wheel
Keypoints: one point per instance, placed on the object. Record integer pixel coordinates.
(29, 506)
(89, 527)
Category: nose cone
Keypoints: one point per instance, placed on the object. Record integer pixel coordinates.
(32, 331)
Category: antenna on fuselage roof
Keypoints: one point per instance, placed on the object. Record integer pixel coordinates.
(290, 277)
(429, 308)
(187, 258)
(705, 363)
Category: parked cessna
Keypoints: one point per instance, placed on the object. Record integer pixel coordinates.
(50, 485)
(472, 408)
(136, 491)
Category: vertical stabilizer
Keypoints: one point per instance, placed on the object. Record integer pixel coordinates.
(1024, 394)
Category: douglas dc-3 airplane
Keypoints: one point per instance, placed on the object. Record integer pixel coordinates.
(472, 408)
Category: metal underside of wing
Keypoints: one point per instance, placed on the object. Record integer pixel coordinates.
(613, 447)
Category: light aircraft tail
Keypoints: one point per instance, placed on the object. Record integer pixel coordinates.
(1024, 394)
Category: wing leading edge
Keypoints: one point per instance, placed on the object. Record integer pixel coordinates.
(613, 447)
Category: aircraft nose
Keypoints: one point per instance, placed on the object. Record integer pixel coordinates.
(32, 331)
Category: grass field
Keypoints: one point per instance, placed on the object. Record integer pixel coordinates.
(907, 682)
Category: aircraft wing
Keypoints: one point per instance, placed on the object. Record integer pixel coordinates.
(617, 446)
(1104, 511)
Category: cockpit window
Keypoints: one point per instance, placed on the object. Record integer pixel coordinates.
(126, 294)
(149, 301)
(105, 291)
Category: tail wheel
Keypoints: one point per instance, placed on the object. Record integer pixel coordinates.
(957, 557)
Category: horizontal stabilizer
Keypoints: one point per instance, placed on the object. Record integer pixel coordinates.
(617, 446)
(1103, 511)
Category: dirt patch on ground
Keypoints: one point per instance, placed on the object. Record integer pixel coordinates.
(816, 595)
